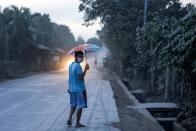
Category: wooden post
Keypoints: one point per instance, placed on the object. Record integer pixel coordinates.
(167, 84)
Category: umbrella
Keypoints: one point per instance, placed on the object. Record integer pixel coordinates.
(86, 48)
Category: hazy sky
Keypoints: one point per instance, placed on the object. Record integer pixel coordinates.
(62, 12)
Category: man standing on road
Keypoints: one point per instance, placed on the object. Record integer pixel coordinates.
(95, 62)
(77, 91)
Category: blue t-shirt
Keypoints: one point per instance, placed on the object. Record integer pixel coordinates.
(75, 84)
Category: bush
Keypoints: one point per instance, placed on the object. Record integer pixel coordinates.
(8, 69)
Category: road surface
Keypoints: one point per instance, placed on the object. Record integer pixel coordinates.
(41, 103)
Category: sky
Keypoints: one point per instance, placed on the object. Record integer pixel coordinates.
(63, 12)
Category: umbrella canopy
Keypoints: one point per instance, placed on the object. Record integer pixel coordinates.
(87, 48)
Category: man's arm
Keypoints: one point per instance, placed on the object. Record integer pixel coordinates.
(82, 75)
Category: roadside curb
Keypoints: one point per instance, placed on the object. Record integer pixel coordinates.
(131, 97)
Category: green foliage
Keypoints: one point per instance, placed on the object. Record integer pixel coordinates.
(62, 37)
(167, 40)
(21, 32)
(172, 42)
(80, 40)
(7, 69)
(95, 41)
(120, 20)
(181, 50)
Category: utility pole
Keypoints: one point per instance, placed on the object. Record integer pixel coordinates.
(7, 44)
(151, 47)
(145, 11)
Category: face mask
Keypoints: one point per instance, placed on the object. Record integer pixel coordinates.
(80, 59)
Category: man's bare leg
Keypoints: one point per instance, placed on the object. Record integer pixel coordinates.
(79, 113)
(72, 110)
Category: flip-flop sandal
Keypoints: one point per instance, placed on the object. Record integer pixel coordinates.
(69, 123)
(80, 125)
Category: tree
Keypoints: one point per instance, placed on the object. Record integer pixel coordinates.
(62, 37)
(162, 52)
(21, 32)
(95, 41)
(80, 40)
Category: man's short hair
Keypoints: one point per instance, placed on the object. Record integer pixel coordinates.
(79, 53)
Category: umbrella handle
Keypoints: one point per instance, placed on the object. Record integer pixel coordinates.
(86, 57)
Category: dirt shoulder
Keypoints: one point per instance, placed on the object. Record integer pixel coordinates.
(130, 120)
